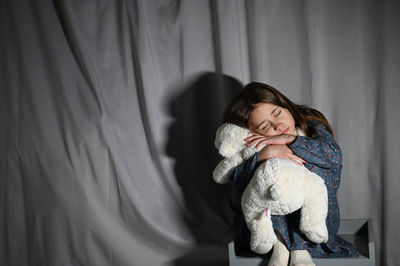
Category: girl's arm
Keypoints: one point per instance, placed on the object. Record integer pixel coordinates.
(321, 150)
(243, 173)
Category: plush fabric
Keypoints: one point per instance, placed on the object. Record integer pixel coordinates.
(324, 158)
(229, 141)
(279, 186)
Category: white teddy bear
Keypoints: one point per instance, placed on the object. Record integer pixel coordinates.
(278, 187)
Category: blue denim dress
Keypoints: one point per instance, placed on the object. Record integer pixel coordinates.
(324, 157)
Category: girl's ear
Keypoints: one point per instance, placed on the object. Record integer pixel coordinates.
(299, 132)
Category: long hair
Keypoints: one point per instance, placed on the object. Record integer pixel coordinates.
(239, 110)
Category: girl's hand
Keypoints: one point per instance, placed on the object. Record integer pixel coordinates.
(279, 151)
(263, 140)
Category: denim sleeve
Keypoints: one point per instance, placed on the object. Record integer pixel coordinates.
(243, 173)
(322, 150)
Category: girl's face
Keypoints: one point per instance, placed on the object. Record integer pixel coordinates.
(271, 120)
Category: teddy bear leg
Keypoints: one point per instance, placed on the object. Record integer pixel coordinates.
(313, 218)
(262, 237)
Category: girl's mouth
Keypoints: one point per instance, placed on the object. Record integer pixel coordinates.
(285, 132)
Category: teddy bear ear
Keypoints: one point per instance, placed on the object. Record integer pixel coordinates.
(223, 140)
(230, 139)
(221, 135)
(218, 137)
(227, 149)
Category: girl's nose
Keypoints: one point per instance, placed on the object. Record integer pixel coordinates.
(277, 126)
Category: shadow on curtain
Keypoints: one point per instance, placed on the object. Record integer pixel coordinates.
(197, 113)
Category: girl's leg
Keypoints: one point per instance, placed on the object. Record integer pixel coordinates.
(280, 254)
(300, 258)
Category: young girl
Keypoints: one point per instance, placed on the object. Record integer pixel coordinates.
(273, 120)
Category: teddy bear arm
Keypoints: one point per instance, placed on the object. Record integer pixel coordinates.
(254, 199)
(225, 168)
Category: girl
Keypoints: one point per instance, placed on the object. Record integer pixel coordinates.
(273, 120)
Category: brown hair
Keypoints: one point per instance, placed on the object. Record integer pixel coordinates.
(239, 110)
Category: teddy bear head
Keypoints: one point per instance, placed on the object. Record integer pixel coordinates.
(229, 139)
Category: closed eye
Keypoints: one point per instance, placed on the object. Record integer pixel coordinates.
(278, 114)
(263, 128)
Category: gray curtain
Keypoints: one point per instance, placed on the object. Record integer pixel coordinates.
(109, 109)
